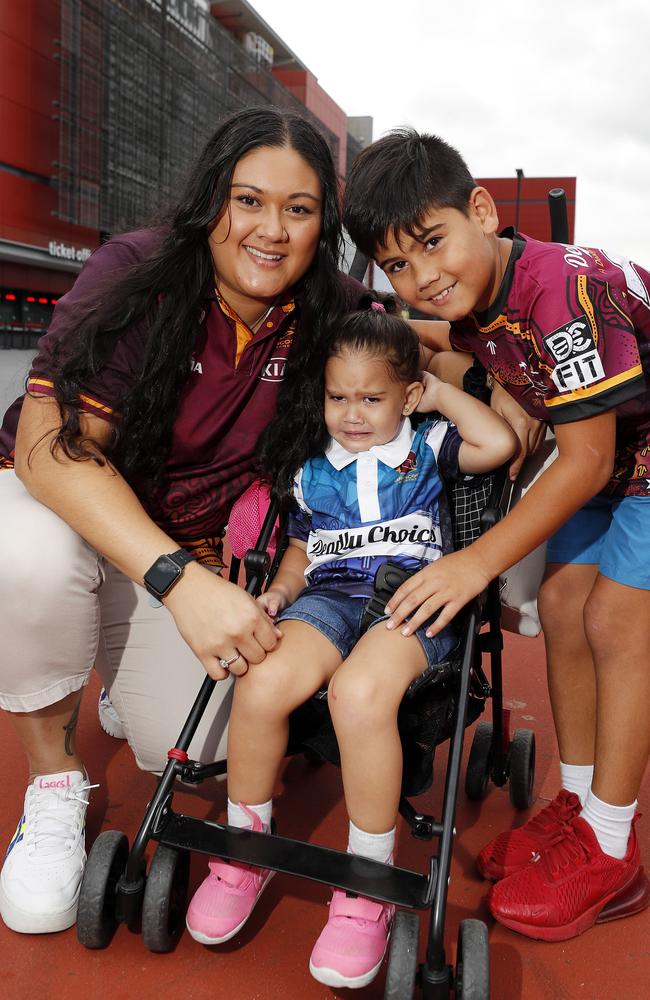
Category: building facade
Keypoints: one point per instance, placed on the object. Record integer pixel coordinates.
(103, 106)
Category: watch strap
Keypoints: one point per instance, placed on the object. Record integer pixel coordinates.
(181, 557)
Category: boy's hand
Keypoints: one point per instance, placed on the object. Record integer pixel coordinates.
(428, 399)
(273, 602)
(530, 432)
(445, 585)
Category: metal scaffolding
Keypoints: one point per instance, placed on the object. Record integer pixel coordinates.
(143, 85)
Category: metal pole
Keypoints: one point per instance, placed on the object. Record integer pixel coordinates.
(519, 172)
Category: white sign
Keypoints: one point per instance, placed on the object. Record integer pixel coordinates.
(68, 252)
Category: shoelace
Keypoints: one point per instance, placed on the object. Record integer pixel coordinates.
(549, 816)
(50, 826)
(565, 851)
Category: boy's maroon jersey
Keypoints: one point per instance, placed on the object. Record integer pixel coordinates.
(568, 336)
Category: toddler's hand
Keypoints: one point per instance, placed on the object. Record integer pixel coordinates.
(429, 398)
(273, 602)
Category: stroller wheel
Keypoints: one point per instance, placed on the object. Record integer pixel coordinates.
(403, 957)
(163, 909)
(473, 961)
(477, 775)
(522, 768)
(96, 920)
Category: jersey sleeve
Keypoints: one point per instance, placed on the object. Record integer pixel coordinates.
(445, 441)
(586, 343)
(103, 392)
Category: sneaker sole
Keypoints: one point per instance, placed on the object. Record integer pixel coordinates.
(630, 899)
(331, 977)
(206, 939)
(24, 922)
(112, 727)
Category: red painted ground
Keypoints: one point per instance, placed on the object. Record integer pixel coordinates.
(269, 959)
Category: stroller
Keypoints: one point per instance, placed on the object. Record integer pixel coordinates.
(438, 706)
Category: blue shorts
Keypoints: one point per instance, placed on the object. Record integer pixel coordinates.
(338, 616)
(612, 533)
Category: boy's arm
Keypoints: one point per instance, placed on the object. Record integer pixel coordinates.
(488, 441)
(450, 366)
(289, 581)
(433, 334)
(582, 469)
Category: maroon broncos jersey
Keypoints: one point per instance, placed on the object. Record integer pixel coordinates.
(568, 336)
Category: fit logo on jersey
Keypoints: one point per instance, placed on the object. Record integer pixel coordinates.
(274, 370)
(574, 350)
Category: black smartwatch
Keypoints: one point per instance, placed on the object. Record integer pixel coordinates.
(165, 572)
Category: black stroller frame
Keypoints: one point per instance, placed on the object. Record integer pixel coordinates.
(116, 889)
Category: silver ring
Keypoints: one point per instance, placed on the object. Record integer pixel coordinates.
(225, 663)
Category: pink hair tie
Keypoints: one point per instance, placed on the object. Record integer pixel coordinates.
(378, 306)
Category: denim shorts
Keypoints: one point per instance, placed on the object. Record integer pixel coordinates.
(612, 533)
(338, 616)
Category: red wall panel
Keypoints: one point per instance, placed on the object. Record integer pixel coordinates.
(534, 218)
(29, 83)
(35, 279)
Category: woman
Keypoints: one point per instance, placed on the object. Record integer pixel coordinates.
(136, 434)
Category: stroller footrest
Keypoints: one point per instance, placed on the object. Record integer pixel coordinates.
(294, 857)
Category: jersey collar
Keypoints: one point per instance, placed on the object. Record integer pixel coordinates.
(391, 454)
(495, 308)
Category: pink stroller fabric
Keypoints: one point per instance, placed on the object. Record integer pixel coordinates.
(246, 519)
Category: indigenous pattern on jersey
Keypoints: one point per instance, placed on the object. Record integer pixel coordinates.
(228, 399)
(359, 509)
(568, 336)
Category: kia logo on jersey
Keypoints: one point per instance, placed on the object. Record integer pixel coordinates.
(274, 370)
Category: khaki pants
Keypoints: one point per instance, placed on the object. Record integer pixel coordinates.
(63, 609)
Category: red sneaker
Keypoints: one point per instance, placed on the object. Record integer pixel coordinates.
(513, 850)
(572, 886)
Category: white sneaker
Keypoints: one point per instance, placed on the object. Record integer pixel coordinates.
(41, 875)
(109, 720)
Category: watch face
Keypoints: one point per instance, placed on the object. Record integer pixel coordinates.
(160, 578)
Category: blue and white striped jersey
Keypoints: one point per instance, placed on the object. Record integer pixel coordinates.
(359, 509)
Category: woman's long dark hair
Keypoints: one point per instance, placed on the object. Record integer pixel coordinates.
(166, 294)
(373, 331)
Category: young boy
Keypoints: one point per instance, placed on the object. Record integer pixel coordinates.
(566, 331)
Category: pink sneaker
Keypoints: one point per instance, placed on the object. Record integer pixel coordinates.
(226, 898)
(352, 945)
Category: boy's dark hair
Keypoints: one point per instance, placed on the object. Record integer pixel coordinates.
(378, 332)
(396, 180)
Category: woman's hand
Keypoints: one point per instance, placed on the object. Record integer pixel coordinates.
(530, 432)
(218, 619)
(446, 585)
(273, 602)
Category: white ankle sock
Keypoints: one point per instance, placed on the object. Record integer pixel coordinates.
(611, 824)
(577, 778)
(376, 846)
(238, 816)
